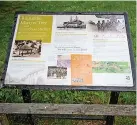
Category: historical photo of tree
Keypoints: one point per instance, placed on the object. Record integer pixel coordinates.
(27, 48)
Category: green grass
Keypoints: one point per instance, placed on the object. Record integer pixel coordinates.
(7, 10)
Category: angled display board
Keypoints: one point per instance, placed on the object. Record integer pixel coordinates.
(84, 51)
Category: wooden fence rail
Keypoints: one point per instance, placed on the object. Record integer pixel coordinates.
(68, 109)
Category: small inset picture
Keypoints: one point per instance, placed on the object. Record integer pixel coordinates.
(110, 67)
(72, 22)
(63, 61)
(27, 48)
(106, 23)
(56, 72)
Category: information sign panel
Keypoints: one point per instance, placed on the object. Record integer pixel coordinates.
(86, 51)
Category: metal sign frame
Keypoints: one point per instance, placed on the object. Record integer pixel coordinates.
(63, 87)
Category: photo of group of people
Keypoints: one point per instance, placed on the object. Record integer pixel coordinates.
(102, 26)
(108, 23)
(27, 48)
(56, 72)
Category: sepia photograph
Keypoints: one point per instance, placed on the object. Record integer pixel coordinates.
(106, 23)
(63, 61)
(70, 22)
(27, 48)
(56, 72)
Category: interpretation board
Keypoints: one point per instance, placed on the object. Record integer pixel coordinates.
(84, 51)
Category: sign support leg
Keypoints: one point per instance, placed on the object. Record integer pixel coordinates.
(27, 99)
(113, 100)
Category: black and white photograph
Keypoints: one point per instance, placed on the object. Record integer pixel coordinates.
(56, 72)
(27, 48)
(106, 23)
(70, 22)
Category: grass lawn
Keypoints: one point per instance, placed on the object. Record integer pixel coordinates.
(7, 10)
